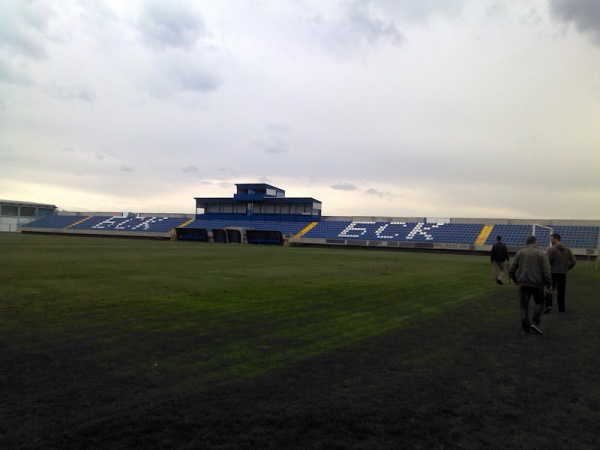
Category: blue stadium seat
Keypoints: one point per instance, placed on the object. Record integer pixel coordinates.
(144, 224)
(571, 235)
(415, 232)
(55, 221)
(449, 233)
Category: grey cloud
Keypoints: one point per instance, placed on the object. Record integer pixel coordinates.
(22, 44)
(533, 17)
(344, 187)
(366, 25)
(173, 74)
(584, 14)
(97, 11)
(73, 93)
(422, 10)
(187, 63)
(10, 74)
(23, 39)
(278, 128)
(273, 146)
(23, 26)
(195, 79)
(358, 26)
(276, 140)
(277, 148)
(171, 24)
(379, 194)
(6, 158)
(226, 185)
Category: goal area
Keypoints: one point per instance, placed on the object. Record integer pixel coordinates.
(542, 233)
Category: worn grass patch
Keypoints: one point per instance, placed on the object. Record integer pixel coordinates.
(120, 343)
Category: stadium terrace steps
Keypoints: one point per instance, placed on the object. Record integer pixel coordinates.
(185, 224)
(485, 232)
(79, 221)
(306, 229)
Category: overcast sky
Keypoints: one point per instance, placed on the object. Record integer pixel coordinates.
(438, 108)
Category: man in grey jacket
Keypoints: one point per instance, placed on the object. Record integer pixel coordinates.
(561, 261)
(530, 270)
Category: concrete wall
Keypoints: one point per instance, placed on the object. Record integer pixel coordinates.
(98, 233)
(418, 246)
(11, 224)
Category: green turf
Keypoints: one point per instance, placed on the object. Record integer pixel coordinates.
(109, 343)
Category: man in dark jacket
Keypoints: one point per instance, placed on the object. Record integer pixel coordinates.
(530, 270)
(561, 261)
(499, 257)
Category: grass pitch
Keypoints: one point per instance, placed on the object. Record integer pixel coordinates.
(115, 343)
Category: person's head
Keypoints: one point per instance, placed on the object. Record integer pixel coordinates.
(554, 238)
(498, 238)
(530, 240)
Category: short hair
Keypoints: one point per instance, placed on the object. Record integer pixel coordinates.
(531, 240)
(498, 238)
(555, 236)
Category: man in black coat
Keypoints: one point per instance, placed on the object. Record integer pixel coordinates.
(499, 258)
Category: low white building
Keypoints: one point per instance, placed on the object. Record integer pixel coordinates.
(14, 214)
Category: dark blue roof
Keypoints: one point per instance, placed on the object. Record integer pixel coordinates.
(257, 186)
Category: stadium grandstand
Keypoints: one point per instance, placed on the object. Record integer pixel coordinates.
(14, 214)
(259, 213)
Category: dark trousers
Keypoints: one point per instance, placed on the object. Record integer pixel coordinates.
(559, 285)
(525, 294)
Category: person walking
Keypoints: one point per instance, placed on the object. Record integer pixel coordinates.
(530, 270)
(561, 261)
(499, 257)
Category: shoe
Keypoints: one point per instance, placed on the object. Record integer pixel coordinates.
(548, 309)
(535, 329)
(498, 281)
(525, 331)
